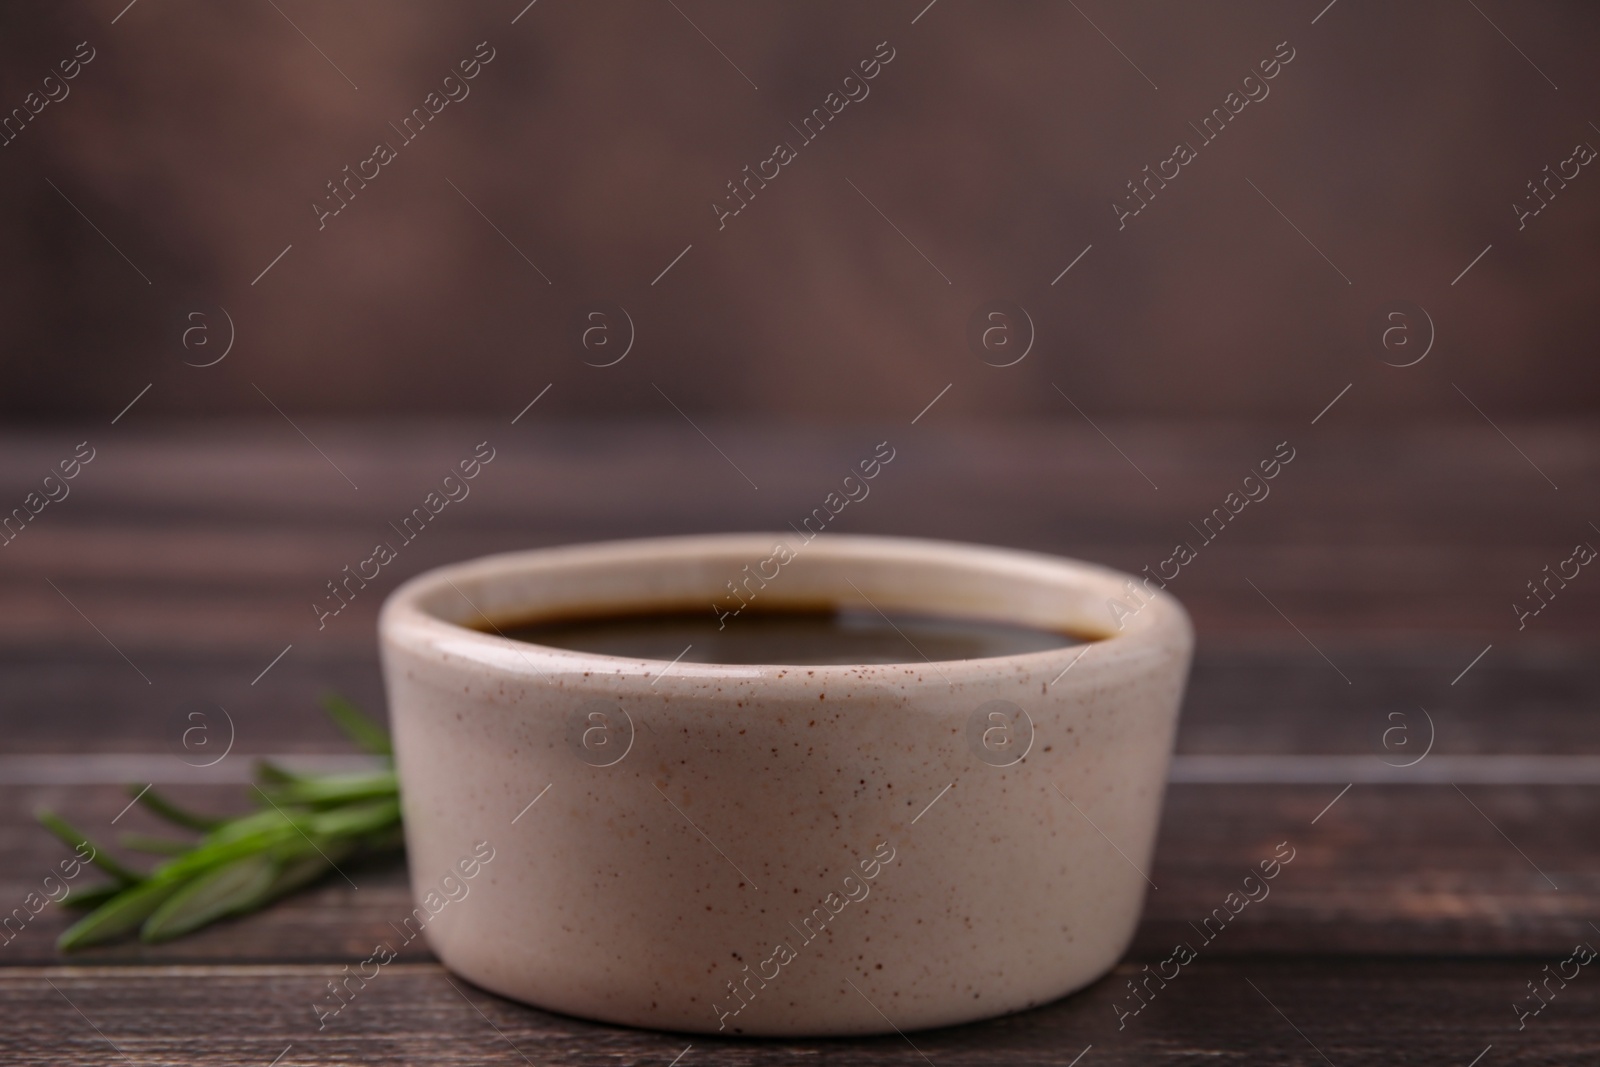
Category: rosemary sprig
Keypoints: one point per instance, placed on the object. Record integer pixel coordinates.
(304, 825)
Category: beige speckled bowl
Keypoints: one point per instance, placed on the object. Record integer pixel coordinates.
(781, 850)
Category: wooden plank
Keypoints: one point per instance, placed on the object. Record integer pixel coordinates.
(1342, 590)
(1382, 869)
(1386, 870)
(1398, 551)
(1367, 530)
(1246, 694)
(1247, 1009)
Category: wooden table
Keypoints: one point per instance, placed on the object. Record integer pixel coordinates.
(1343, 626)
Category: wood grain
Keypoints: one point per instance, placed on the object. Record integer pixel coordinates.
(1387, 870)
(1349, 1012)
(1410, 919)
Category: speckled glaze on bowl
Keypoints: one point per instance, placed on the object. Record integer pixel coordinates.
(780, 850)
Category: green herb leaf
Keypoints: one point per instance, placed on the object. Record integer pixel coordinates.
(233, 887)
(267, 771)
(92, 897)
(121, 915)
(216, 853)
(162, 846)
(335, 789)
(76, 841)
(357, 725)
(309, 824)
(356, 819)
(174, 814)
(303, 871)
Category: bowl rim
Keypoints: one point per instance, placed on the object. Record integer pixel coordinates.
(406, 619)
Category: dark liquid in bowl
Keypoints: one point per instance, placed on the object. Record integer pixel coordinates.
(789, 637)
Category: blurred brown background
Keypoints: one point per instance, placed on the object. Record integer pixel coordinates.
(1384, 598)
(596, 140)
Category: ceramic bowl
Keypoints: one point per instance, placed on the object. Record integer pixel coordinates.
(781, 850)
